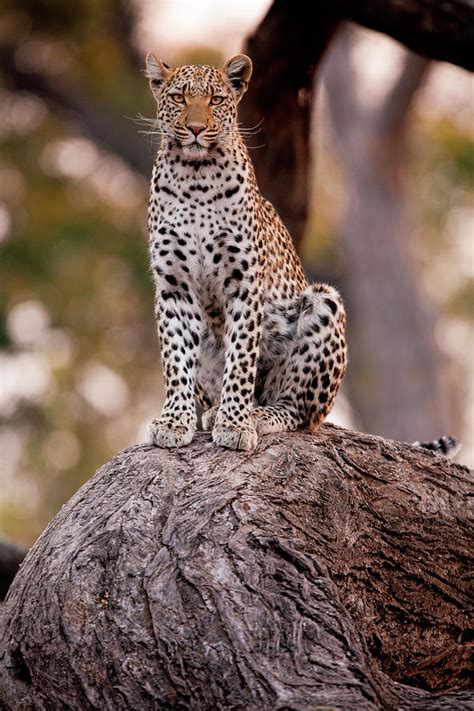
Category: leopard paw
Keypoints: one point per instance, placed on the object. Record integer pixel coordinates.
(168, 434)
(235, 437)
(208, 418)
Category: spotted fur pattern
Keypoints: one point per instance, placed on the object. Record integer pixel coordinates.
(446, 446)
(241, 331)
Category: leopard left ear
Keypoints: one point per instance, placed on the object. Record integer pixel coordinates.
(238, 71)
(157, 72)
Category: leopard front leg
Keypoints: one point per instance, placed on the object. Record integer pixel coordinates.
(179, 328)
(233, 425)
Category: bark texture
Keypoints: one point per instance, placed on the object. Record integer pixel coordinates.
(314, 573)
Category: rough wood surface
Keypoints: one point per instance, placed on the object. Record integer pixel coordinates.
(313, 573)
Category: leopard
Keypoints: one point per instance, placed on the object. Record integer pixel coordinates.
(244, 338)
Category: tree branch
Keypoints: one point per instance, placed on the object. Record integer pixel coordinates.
(322, 570)
(393, 114)
(438, 30)
(125, 21)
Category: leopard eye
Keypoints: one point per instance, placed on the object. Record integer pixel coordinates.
(178, 98)
(216, 100)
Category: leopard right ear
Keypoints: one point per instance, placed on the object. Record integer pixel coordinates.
(238, 71)
(157, 72)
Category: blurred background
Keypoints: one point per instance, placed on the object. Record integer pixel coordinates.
(389, 220)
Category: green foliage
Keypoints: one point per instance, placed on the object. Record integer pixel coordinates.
(456, 149)
(76, 250)
(461, 302)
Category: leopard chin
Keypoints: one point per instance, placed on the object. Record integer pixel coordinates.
(195, 150)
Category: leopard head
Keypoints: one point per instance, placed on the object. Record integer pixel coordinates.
(197, 104)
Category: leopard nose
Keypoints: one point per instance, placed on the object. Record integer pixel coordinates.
(196, 128)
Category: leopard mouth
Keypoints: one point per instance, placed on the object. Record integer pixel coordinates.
(200, 147)
(197, 147)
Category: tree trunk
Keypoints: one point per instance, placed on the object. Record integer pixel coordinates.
(317, 572)
(396, 390)
(286, 49)
(285, 53)
(397, 382)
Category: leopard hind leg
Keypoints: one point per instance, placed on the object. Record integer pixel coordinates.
(300, 388)
(209, 379)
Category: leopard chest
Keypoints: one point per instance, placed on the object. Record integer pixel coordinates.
(195, 221)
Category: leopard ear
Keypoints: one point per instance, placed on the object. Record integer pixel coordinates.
(238, 71)
(157, 72)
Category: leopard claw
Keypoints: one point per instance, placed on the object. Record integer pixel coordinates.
(235, 437)
(168, 434)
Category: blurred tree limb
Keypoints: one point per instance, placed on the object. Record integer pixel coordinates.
(285, 52)
(111, 131)
(11, 555)
(395, 377)
(438, 30)
(287, 48)
(396, 380)
(125, 23)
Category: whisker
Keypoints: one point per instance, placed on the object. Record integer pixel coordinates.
(149, 127)
(249, 132)
(151, 130)
(151, 133)
(143, 120)
(251, 129)
(259, 123)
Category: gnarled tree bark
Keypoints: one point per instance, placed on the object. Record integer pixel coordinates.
(322, 570)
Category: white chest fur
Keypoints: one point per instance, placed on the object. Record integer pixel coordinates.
(197, 210)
